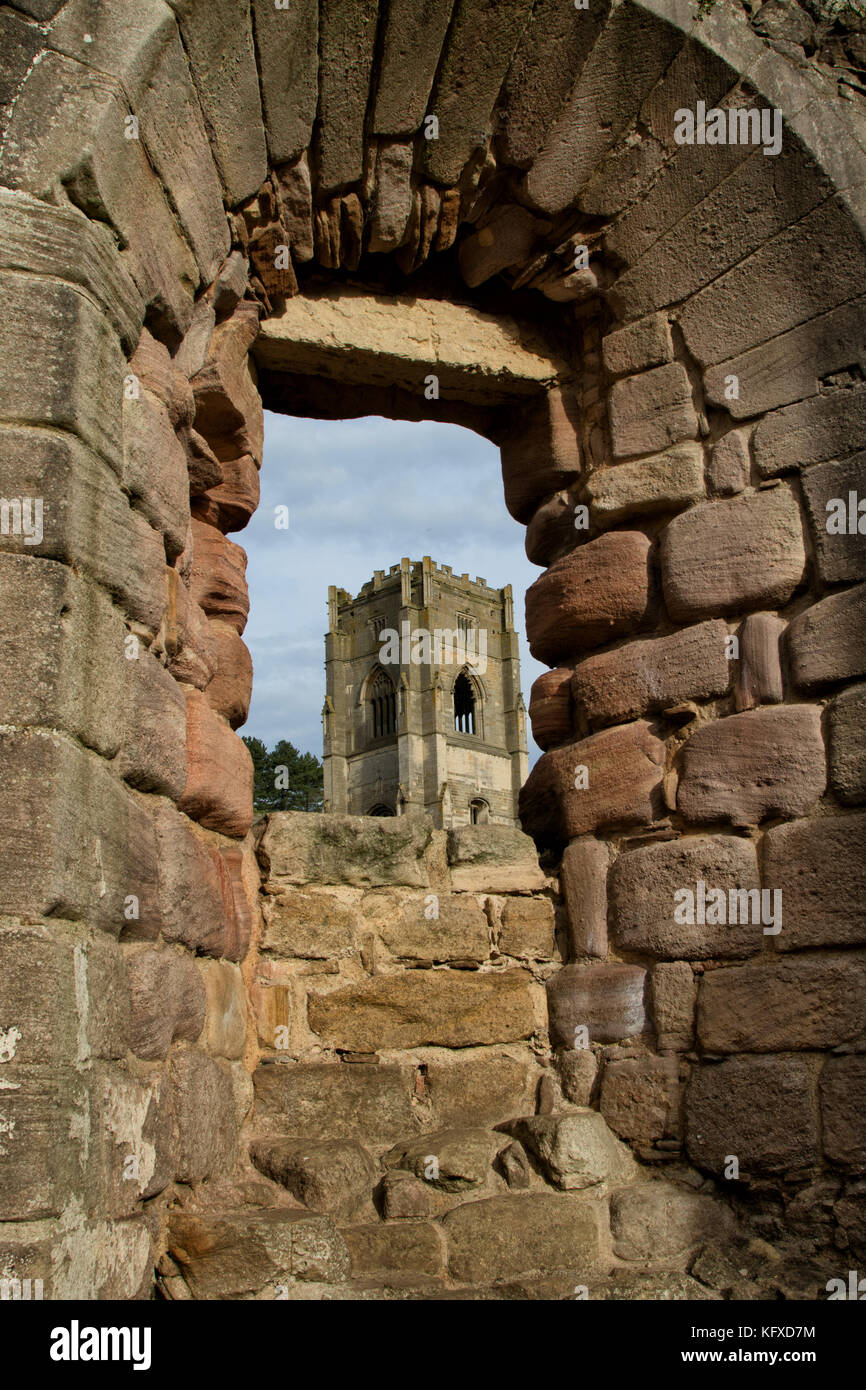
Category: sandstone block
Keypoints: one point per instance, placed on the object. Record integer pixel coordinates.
(503, 1237)
(673, 997)
(230, 690)
(153, 754)
(832, 492)
(540, 453)
(646, 343)
(288, 64)
(86, 518)
(578, 1070)
(189, 640)
(551, 533)
(225, 1025)
(406, 1198)
(156, 370)
(230, 504)
(640, 1098)
(843, 1110)
(651, 411)
(758, 1109)
(847, 747)
(527, 929)
(583, 877)
(506, 239)
(237, 1254)
(192, 887)
(72, 678)
(728, 468)
(433, 927)
(820, 868)
(550, 708)
(741, 553)
(201, 1088)
(440, 1007)
(383, 1252)
(653, 675)
(576, 1151)
(304, 847)
(784, 1005)
(311, 925)
(78, 844)
(588, 597)
(749, 766)
(228, 409)
(611, 778)
(334, 1100)
(294, 195)
(219, 780)
(327, 1175)
(656, 1221)
(392, 205)
(168, 1002)
(229, 287)
(811, 431)
(649, 914)
(759, 671)
(65, 366)
(607, 1000)
(827, 642)
(479, 1086)
(462, 1158)
(217, 582)
(493, 859)
(660, 483)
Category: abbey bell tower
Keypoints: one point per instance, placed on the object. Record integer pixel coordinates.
(423, 710)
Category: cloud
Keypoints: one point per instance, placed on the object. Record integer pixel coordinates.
(361, 495)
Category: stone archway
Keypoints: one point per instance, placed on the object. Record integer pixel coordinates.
(167, 187)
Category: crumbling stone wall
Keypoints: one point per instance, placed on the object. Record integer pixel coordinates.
(169, 182)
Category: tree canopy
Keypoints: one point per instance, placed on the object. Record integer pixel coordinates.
(285, 780)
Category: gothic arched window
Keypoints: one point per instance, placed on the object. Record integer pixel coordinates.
(464, 705)
(382, 699)
(479, 812)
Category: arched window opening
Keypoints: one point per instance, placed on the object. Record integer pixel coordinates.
(383, 706)
(464, 705)
(381, 810)
(479, 812)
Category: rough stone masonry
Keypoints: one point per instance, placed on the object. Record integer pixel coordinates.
(328, 1057)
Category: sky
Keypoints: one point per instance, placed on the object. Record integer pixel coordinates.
(361, 494)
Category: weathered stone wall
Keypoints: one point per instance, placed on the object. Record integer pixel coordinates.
(698, 388)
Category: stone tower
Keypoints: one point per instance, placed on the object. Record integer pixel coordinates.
(423, 710)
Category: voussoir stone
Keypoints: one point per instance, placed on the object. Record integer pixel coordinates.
(576, 1150)
(819, 866)
(760, 1110)
(607, 1000)
(653, 675)
(440, 1007)
(785, 1005)
(502, 1237)
(643, 886)
(590, 596)
(646, 343)
(611, 778)
(732, 554)
(303, 847)
(749, 766)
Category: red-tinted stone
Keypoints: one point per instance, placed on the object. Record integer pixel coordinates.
(588, 597)
(608, 1000)
(550, 708)
(820, 868)
(540, 452)
(219, 785)
(218, 583)
(653, 674)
